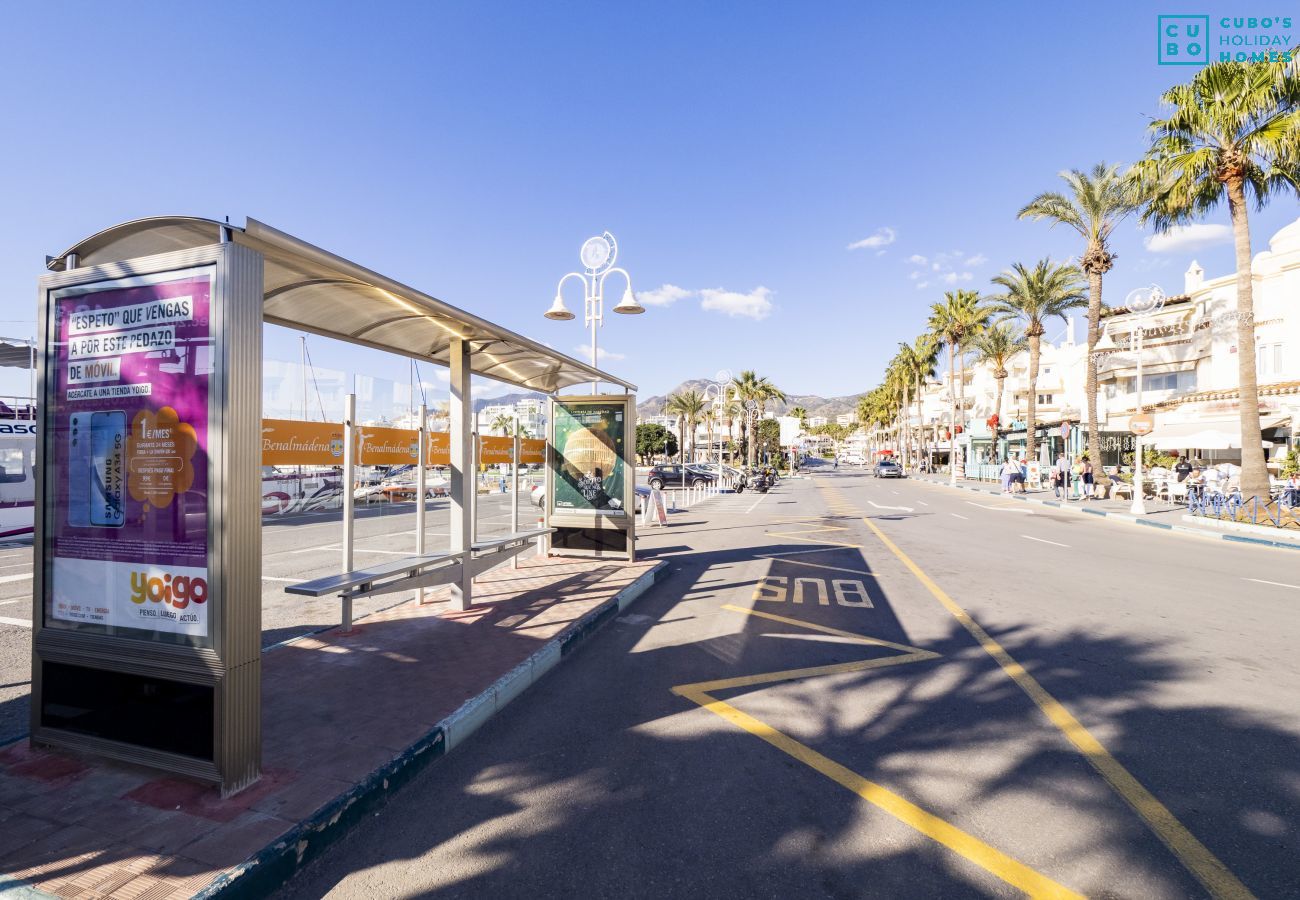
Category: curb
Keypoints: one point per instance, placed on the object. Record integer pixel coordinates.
(276, 863)
(1127, 517)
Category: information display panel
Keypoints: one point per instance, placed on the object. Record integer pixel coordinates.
(590, 444)
(126, 418)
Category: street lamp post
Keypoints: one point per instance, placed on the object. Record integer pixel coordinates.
(722, 384)
(598, 255)
(1142, 302)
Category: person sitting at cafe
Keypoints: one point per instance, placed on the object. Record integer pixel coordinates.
(1183, 468)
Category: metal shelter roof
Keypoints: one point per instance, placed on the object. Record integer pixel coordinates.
(313, 290)
(16, 353)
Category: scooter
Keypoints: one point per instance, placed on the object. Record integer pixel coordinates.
(739, 483)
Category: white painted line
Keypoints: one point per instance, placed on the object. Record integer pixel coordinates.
(959, 516)
(8, 602)
(387, 552)
(1001, 508)
(21, 623)
(26, 576)
(1030, 537)
(756, 502)
(273, 578)
(895, 493)
(316, 549)
(17, 565)
(1295, 587)
(878, 506)
(922, 502)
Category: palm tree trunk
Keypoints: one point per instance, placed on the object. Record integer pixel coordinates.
(905, 410)
(997, 406)
(1031, 426)
(1254, 473)
(952, 414)
(1094, 333)
(961, 371)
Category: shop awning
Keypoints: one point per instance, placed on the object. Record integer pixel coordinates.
(15, 354)
(1215, 434)
(313, 290)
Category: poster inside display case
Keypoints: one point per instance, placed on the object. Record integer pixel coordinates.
(590, 444)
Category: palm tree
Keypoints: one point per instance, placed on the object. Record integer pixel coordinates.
(925, 351)
(688, 406)
(954, 322)
(1033, 296)
(1230, 132)
(746, 387)
(1096, 203)
(996, 345)
(502, 422)
(903, 373)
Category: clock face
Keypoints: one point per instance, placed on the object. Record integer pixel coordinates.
(595, 252)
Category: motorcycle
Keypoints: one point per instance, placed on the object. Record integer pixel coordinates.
(739, 483)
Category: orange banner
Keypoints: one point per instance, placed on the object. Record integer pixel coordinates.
(287, 442)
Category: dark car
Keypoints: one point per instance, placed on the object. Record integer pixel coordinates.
(887, 468)
(674, 476)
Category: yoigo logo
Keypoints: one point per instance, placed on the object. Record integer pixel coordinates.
(177, 592)
(1183, 40)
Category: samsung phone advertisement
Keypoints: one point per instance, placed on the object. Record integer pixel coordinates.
(127, 516)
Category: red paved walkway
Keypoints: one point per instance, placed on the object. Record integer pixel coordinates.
(335, 708)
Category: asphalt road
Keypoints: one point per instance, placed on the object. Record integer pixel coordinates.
(1001, 701)
(294, 549)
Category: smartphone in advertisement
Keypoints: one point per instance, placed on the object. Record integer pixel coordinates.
(108, 464)
(80, 471)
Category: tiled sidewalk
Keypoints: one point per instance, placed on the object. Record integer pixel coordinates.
(345, 719)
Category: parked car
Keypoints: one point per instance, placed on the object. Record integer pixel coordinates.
(887, 468)
(853, 459)
(672, 475)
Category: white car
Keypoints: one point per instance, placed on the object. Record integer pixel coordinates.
(853, 459)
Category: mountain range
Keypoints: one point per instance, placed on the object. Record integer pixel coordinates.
(815, 405)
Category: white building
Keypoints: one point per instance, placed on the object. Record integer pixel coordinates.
(1190, 370)
(530, 410)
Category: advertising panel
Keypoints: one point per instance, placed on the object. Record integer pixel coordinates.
(127, 416)
(589, 440)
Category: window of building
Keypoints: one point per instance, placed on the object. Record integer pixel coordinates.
(1158, 381)
(1045, 399)
(1268, 360)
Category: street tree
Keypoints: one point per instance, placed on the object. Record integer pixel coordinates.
(1094, 204)
(1031, 298)
(1231, 134)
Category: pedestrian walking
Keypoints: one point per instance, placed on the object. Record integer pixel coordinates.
(1086, 477)
(1061, 477)
(1008, 473)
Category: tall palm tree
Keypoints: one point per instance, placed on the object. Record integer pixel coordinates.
(903, 373)
(1230, 132)
(925, 350)
(995, 346)
(504, 423)
(954, 322)
(1033, 296)
(747, 387)
(1096, 202)
(688, 406)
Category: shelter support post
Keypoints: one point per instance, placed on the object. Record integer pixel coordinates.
(462, 487)
(514, 488)
(349, 499)
(421, 484)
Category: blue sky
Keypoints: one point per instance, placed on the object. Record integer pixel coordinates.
(736, 150)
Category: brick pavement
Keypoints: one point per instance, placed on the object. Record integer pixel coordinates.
(337, 710)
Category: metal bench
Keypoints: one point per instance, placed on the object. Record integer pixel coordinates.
(414, 572)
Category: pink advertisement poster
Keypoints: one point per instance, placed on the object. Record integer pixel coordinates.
(127, 415)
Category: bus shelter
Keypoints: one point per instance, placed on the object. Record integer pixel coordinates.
(147, 584)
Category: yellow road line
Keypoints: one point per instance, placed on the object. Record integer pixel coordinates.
(799, 562)
(824, 629)
(725, 684)
(1194, 855)
(994, 861)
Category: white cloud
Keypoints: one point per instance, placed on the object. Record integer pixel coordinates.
(664, 295)
(935, 266)
(917, 259)
(954, 277)
(978, 259)
(757, 304)
(922, 284)
(583, 351)
(882, 237)
(914, 275)
(1188, 237)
